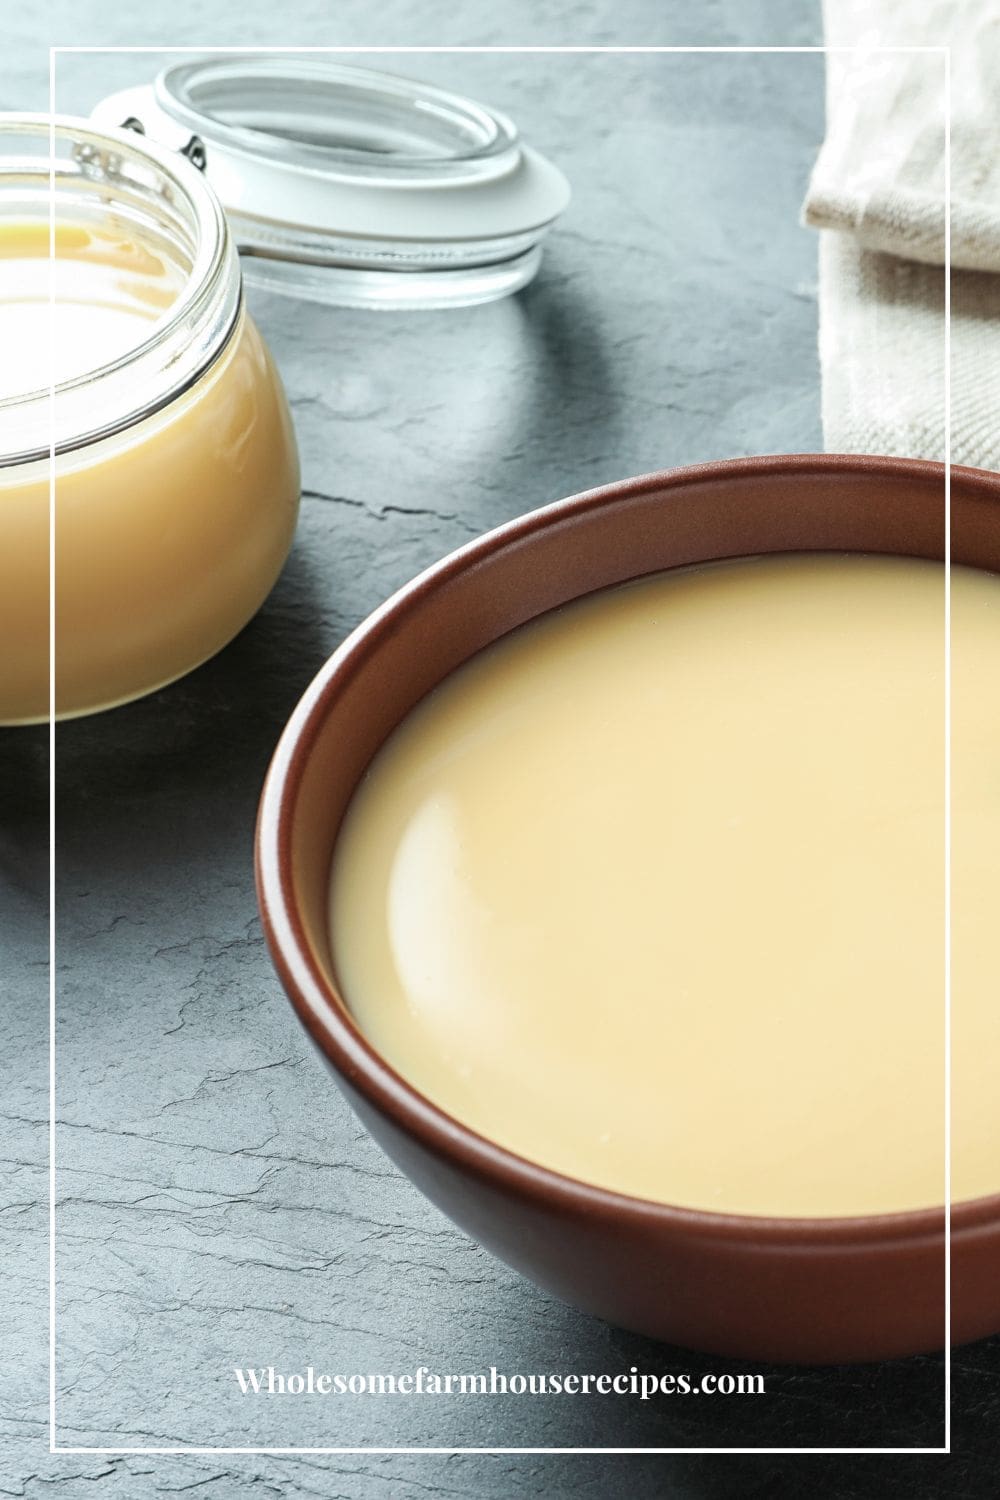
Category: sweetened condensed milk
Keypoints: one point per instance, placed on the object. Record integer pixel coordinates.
(168, 534)
(652, 891)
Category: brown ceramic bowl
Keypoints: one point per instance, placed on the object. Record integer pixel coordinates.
(816, 1290)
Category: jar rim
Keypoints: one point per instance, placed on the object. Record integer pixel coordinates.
(48, 157)
(350, 121)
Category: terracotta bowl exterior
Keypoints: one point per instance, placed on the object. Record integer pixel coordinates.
(809, 1290)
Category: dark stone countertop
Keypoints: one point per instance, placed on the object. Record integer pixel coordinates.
(218, 1202)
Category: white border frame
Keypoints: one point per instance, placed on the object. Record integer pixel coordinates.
(279, 1451)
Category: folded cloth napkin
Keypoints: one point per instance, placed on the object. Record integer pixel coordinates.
(878, 195)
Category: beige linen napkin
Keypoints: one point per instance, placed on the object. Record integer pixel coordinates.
(877, 194)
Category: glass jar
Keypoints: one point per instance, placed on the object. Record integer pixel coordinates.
(131, 357)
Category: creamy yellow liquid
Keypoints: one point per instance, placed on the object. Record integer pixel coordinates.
(106, 290)
(652, 891)
(170, 534)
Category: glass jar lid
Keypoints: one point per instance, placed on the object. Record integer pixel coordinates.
(351, 186)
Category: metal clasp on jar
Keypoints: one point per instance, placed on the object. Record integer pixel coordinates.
(194, 149)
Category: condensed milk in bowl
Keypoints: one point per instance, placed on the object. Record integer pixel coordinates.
(623, 872)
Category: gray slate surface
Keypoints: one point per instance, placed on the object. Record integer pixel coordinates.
(218, 1204)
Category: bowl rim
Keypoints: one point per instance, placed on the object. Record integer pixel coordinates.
(324, 1013)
